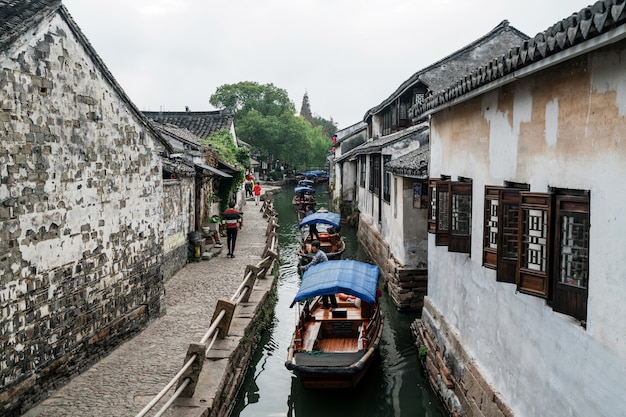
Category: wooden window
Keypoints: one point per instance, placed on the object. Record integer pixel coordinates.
(534, 244)
(490, 226)
(386, 179)
(571, 255)
(442, 218)
(432, 216)
(363, 167)
(374, 185)
(460, 212)
(508, 234)
(501, 229)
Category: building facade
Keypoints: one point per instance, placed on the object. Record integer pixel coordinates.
(525, 292)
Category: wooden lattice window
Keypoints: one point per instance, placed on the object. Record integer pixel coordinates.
(490, 226)
(460, 222)
(534, 244)
(442, 215)
(571, 254)
(432, 212)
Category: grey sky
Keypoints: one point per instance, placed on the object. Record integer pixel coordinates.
(349, 55)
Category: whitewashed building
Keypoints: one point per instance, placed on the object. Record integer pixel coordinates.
(525, 306)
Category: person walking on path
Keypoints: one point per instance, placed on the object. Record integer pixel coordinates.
(257, 193)
(319, 257)
(232, 221)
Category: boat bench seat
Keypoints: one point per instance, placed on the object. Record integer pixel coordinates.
(311, 334)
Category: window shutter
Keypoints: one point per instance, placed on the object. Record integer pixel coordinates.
(432, 196)
(508, 235)
(534, 243)
(460, 223)
(490, 226)
(571, 255)
(443, 208)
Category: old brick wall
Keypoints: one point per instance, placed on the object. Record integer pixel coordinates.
(407, 285)
(80, 214)
(452, 373)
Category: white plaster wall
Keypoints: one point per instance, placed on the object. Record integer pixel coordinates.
(562, 129)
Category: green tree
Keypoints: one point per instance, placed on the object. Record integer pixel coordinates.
(265, 118)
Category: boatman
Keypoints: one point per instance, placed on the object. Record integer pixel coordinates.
(318, 257)
(232, 221)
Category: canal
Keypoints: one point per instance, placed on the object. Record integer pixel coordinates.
(394, 386)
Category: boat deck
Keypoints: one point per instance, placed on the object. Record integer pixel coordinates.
(334, 334)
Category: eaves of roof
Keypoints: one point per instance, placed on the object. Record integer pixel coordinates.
(178, 166)
(214, 170)
(182, 135)
(412, 165)
(591, 28)
(376, 144)
(460, 62)
(201, 124)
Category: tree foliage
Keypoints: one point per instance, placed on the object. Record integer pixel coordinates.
(265, 118)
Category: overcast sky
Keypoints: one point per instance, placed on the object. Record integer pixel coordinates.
(348, 55)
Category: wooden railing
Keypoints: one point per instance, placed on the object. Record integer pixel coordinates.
(187, 378)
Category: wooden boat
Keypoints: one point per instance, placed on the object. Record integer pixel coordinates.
(332, 349)
(324, 226)
(303, 197)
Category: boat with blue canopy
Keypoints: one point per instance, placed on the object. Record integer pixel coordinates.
(304, 199)
(324, 226)
(334, 348)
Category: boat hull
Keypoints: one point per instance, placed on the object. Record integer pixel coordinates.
(334, 349)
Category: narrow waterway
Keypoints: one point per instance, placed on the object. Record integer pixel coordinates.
(394, 386)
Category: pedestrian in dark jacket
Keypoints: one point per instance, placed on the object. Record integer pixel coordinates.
(232, 221)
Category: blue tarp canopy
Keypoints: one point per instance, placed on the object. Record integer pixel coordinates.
(303, 189)
(346, 276)
(323, 217)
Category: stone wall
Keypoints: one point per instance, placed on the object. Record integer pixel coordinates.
(452, 372)
(407, 285)
(81, 232)
(178, 220)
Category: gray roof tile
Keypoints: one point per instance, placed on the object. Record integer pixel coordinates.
(579, 27)
(201, 124)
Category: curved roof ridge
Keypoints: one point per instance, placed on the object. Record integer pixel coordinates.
(503, 26)
(579, 27)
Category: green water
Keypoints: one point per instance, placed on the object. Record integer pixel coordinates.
(394, 386)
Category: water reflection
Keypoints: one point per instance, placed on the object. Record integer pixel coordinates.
(394, 385)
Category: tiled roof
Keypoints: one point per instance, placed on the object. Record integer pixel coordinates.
(179, 134)
(446, 70)
(416, 132)
(588, 23)
(201, 124)
(414, 164)
(17, 16)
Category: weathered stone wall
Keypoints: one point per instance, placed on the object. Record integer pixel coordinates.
(80, 214)
(178, 220)
(407, 285)
(451, 372)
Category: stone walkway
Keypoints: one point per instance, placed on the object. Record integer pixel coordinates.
(122, 383)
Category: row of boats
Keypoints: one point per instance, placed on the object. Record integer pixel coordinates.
(332, 348)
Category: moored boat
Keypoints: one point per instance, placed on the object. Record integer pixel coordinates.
(324, 226)
(303, 197)
(332, 349)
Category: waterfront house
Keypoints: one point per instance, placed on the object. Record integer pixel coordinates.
(526, 290)
(399, 247)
